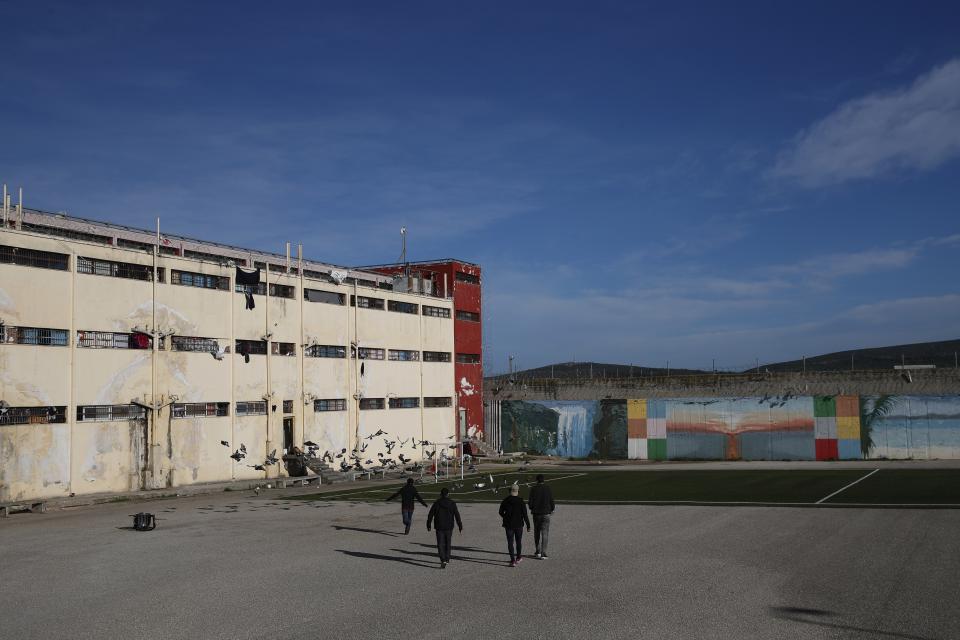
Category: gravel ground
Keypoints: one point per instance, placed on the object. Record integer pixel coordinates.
(240, 566)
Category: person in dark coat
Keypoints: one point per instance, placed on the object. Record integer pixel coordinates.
(408, 493)
(442, 514)
(541, 506)
(514, 514)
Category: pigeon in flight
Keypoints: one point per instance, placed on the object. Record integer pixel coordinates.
(236, 455)
(225, 443)
(312, 445)
(258, 467)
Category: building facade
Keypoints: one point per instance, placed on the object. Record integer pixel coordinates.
(461, 282)
(128, 357)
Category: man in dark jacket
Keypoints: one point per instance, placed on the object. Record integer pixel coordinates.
(408, 493)
(541, 506)
(442, 514)
(514, 514)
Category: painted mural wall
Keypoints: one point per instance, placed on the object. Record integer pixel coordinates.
(768, 428)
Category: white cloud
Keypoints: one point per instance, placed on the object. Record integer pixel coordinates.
(914, 128)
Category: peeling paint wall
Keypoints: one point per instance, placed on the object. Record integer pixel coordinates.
(49, 460)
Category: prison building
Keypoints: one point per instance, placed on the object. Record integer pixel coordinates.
(459, 281)
(127, 356)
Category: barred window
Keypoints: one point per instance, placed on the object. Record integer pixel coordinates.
(329, 297)
(113, 340)
(436, 356)
(365, 302)
(211, 257)
(108, 412)
(331, 404)
(252, 408)
(251, 347)
(66, 233)
(288, 406)
(371, 403)
(436, 312)
(404, 355)
(34, 415)
(403, 307)
(188, 279)
(468, 358)
(33, 335)
(190, 343)
(468, 315)
(97, 267)
(432, 403)
(276, 290)
(325, 351)
(369, 353)
(283, 349)
(34, 258)
(467, 277)
(404, 403)
(200, 409)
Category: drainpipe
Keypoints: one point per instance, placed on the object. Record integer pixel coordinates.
(153, 445)
(268, 397)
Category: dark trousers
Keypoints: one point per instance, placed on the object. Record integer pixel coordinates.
(444, 538)
(514, 542)
(541, 531)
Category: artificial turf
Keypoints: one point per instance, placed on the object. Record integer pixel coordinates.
(804, 486)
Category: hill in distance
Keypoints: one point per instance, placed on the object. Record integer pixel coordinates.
(941, 354)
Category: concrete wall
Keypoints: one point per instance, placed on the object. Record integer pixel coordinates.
(46, 459)
(787, 427)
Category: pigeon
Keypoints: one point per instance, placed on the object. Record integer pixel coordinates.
(225, 443)
(368, 462)
(339, 455)
(258, 467)
(219, 353)
(363, 447)
(344, 467)
(430, 454)
(243, 448)
(314, 445)
(424, 443)
(236, 455)
(403, 460)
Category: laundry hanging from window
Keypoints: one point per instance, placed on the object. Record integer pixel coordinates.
(248, 277)
(249, 297)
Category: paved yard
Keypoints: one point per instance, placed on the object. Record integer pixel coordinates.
(238, 566)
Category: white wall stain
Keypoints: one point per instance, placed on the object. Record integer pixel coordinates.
(6, 303)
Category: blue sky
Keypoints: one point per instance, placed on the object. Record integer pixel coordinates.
(640, 182)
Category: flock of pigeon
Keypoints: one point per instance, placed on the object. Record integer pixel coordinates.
(354, 461)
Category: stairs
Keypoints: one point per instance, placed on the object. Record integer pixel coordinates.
(327, 474)
(482, 448)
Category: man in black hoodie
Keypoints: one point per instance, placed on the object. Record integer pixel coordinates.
(514, 514)
(408, 493)
(442, 514)
(541, 506)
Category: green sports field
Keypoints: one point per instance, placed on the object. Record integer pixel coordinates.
(806, 487)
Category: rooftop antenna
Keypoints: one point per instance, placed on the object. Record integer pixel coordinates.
(403, 251)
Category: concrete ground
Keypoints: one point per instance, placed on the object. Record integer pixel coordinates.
(233, 565)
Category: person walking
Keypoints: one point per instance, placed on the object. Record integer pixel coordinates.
(408, 493)
(442, 514)
(514, 514)
(541, 506)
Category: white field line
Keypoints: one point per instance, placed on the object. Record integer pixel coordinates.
(824, 499)
(426, 488)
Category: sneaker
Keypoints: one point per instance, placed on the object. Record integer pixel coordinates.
(519, 560)
(543, 556)
(513, 563)
(537, 555)
(443, 565)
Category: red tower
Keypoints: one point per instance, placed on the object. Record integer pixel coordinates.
(461, 281)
